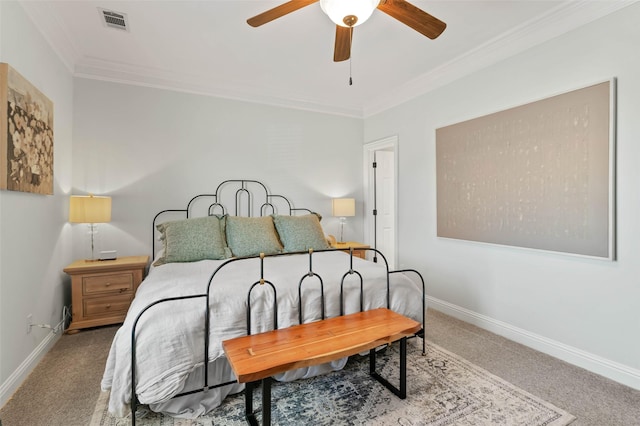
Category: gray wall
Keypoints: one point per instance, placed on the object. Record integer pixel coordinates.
(583, 310)
(34, 235)
(153, 149)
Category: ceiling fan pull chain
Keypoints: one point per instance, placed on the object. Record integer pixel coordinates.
(350, 79)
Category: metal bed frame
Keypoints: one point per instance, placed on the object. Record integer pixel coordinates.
(243, 191)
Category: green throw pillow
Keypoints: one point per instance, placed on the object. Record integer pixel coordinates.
(250, 236)
(190, 240)
(300, 233)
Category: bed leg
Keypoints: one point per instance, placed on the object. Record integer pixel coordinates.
(403, 368)
(134, 408)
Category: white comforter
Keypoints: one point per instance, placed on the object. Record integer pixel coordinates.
(170, 335)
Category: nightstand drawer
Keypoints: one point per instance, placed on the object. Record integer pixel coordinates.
(116, 283)
(107, 305)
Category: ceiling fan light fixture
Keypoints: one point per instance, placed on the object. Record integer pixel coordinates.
(348, 13)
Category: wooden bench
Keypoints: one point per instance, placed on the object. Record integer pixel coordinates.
(257, 357)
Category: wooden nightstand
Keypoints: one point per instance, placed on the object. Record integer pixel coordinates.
(101, 291)
(362, 254)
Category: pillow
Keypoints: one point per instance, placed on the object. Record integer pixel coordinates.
(190, 240)
(250, 236)
(300, 233)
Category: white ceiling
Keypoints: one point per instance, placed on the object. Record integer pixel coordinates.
(207, 47)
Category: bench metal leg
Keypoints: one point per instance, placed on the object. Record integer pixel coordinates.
(266, 387)
(402, 391)
(248, 404)
(266, 402)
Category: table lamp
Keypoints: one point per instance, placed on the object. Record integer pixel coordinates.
(91, 210)
(343, 208)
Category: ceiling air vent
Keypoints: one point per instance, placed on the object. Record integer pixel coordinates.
(114, 19)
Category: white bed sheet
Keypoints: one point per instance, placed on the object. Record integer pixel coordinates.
(170, 336)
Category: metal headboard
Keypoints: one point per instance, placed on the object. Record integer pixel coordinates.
(247, 197)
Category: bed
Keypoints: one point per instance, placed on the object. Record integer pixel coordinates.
(223, 274)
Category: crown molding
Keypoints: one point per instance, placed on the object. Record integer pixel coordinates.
(98, 69)
(47, 22)
(560, 20)
(565, 17)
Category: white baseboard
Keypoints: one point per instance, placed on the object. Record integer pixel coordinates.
(610, 369)
(14, 381)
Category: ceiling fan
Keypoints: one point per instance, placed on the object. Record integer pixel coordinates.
(347, 14)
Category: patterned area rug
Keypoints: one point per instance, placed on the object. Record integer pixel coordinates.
(442, 389)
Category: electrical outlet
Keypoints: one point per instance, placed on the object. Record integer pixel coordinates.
(29, 323)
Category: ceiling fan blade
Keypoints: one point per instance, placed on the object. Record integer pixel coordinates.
(342, 50)
(278, 11)
(414, 17)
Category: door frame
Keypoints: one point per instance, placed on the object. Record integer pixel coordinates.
(389, 143)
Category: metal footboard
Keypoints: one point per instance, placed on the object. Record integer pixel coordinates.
(261, 282)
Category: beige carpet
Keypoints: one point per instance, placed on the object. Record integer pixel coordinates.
(443, 389)
(64, 387)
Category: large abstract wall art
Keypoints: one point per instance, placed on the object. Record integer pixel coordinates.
(539, 176)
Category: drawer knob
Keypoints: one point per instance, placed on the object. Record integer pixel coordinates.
(108, 306)
(107, 284)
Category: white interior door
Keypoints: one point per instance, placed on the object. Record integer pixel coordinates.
(385, 203)
(381, 191)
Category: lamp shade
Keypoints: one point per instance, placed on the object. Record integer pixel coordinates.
(343, 207)
(89, 209)
(348, 13)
